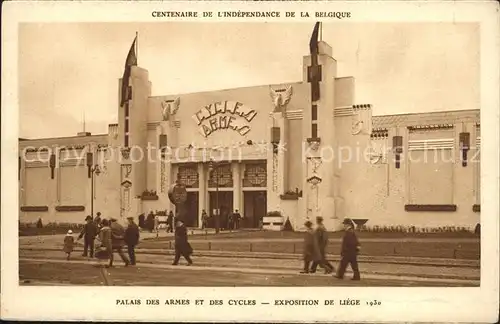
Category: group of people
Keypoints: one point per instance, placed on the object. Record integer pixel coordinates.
(315, 243)
(228, 221)
(112, 236)
(152, 221)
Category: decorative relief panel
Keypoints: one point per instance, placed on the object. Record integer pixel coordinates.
(188, 176)
(255, 175)
(163, 176)
(275, 172)
(126, 171)
(169, 108)
(378, 150)
(281, 98)
(361, 119)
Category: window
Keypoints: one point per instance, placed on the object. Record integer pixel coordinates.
(255, 176)
(126, 125)
(126, 140)
(188, 176)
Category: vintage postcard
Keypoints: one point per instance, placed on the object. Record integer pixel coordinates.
(250, 161)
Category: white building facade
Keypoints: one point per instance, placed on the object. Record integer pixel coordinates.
(274, 150)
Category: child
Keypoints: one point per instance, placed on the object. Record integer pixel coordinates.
(69, 242)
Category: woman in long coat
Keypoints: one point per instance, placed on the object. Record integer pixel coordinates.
(182, 246)
(311, 248)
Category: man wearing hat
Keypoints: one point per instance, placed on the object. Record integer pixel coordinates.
(182, 246)
(89, 232)
(131, 238)
(349, 251)
(321, 236)
(117, 241)
(311, 248)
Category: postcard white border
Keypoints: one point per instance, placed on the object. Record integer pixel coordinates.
(398, 304)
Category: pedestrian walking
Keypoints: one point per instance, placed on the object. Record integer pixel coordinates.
(117, 232)
(69, 243)
(170, 222)
(182, 246)
(89, 233)
(204, 219)
(157, 224)
(311, 248)
(321, 236)
(349, 252)
(230, 221)
(131, 239)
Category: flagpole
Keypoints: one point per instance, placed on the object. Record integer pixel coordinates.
(137, 46)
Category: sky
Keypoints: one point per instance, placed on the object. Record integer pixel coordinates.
(71, 70)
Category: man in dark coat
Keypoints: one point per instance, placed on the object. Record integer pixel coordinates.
(322, 237)
(89, 232)
(182, 246)
(150, 222)
(117, 241)
(236, 219)
(349, 251)
(311, 248)
(170, 222)
(131, 238)
(142, 221)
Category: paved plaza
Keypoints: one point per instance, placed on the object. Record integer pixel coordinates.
(43, 263)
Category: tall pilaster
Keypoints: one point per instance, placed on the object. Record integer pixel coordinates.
(133, 126)
(275, 162)
(237, 181)
(320, 148)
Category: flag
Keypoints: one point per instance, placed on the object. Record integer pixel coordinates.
(314, 70)
(131, 61)
(313, 43)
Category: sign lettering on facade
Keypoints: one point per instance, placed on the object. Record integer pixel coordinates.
(224, 115)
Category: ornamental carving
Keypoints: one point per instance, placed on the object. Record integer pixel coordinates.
(126, 171)
(169, 108)
(163, 175)
(126, 153)
(357, 125)
(281, 98)
(275, 172)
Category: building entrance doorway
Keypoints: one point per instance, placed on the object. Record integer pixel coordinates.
(255, 203)
(225, 199)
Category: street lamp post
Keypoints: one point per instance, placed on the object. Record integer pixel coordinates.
(94, 169)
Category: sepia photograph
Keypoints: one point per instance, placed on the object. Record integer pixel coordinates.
(357, 163)
(250, 161)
